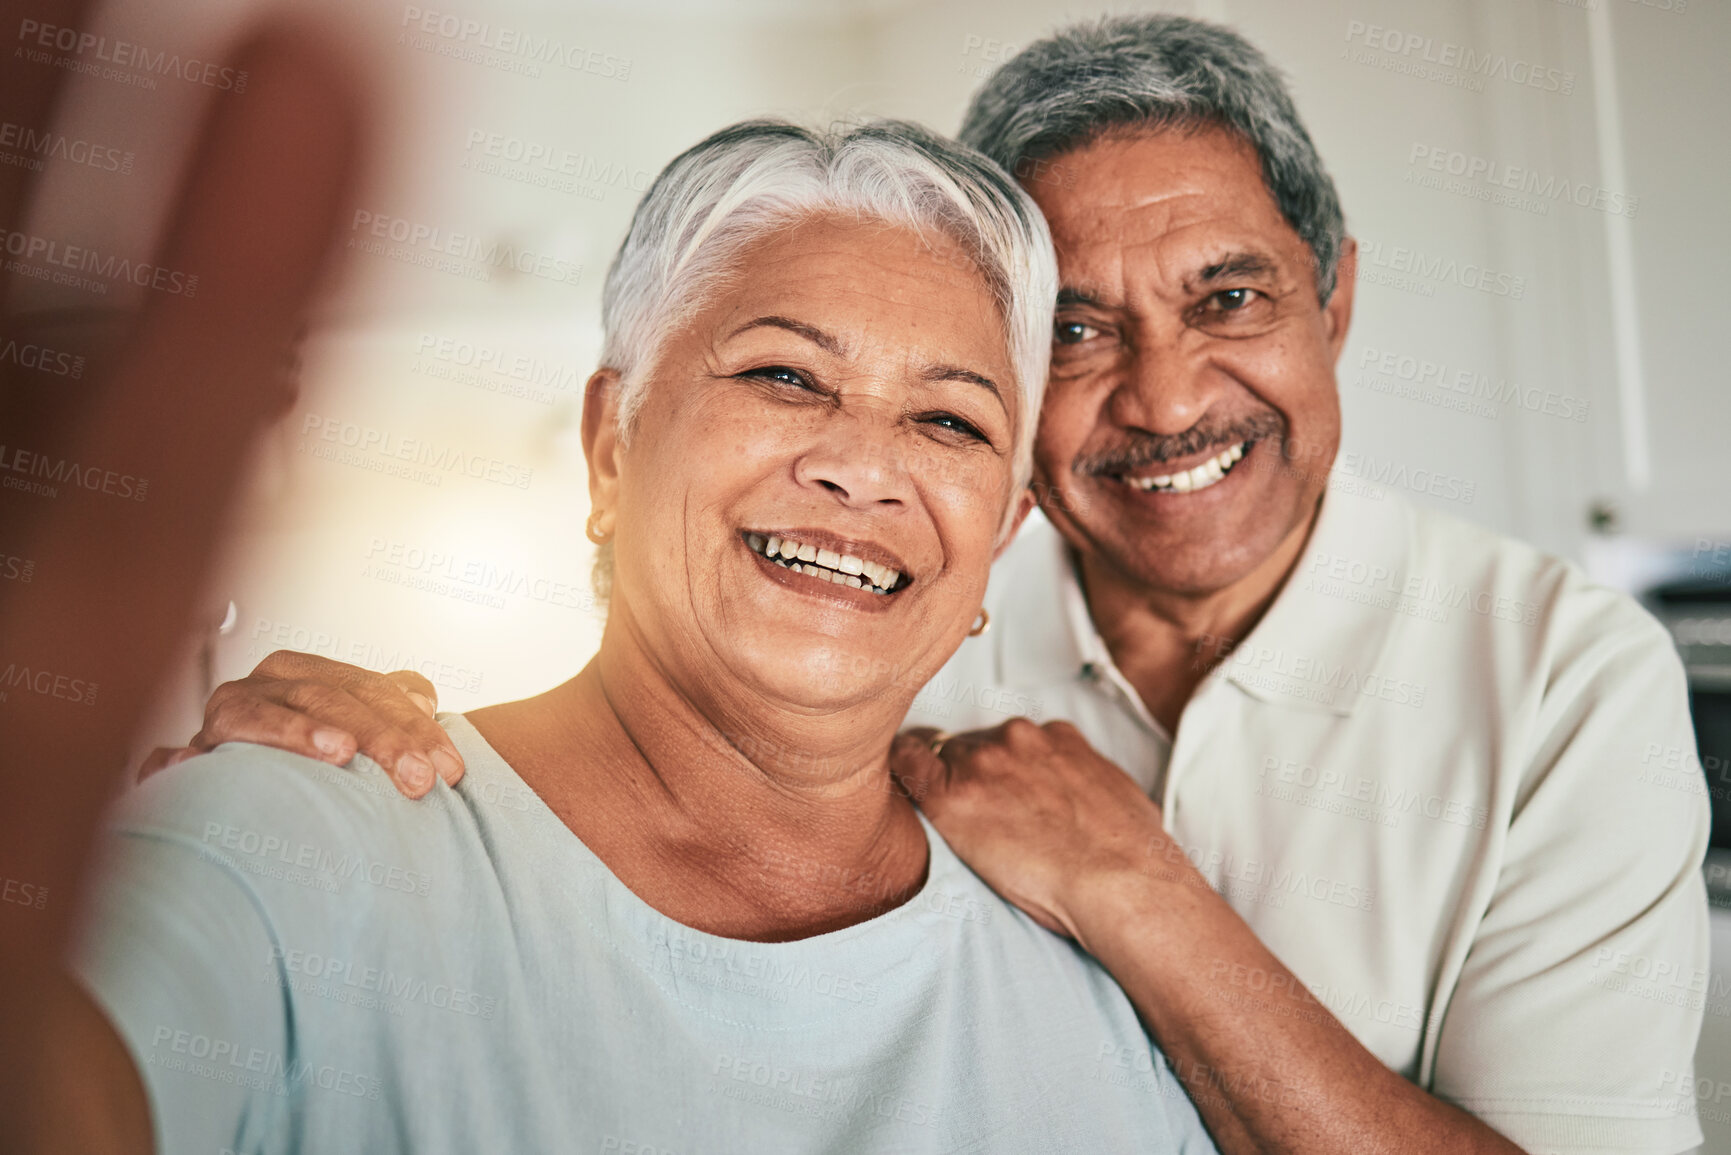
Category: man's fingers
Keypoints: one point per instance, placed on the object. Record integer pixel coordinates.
(920, 772)
(394, 696)
(403, 700)
(333, 709)
(250, 717)
(163, 757)
(421, 692)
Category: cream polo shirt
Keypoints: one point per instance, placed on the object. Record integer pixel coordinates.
(1436, 779)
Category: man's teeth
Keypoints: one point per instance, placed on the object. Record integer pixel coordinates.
(1191, 480)
(844, 569)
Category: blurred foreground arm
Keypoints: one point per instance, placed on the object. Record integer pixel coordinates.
(115, 583)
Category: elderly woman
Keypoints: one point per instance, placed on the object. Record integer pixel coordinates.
(675, 904)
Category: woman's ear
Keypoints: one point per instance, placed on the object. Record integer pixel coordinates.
(1024, 506)
(601, 447)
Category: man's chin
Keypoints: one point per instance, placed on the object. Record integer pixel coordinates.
(1183, 557)
(1194, 573)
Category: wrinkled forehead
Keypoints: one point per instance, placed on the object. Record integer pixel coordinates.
(1185, 198)
(872, 287)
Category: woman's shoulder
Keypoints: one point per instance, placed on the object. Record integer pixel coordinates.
(266, 811)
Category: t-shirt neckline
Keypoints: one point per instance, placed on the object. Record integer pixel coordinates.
(942, 866)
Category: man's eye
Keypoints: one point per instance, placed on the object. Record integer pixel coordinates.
(1232, 300)
(1073, 332)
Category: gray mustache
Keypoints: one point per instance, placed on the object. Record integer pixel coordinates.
(1148, 448)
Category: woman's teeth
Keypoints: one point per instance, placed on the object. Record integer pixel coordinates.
(844, 569)
(1191, 480)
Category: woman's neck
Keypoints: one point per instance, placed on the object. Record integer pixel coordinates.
(769, 825)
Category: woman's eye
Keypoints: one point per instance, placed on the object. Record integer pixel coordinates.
(959, 425)
(781, 375)
(1073, 332)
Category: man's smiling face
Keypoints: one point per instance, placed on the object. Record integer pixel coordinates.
(1192, 412)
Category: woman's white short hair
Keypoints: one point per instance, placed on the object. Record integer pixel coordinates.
(760, 175)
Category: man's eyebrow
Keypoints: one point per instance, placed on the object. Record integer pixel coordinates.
(812, 333)
(1075, 295)
(1247, 263)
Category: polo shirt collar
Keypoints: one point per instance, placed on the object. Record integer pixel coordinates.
(1331, 640)
(1320, 646)
(1051, 637)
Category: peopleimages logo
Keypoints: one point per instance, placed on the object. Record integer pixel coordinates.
(415, 458)
(472, 40)
(1471, 384)
(545, 165)
(40, 474)
(38, 40)
(1399, 475)
(227, 1061)
(541, 376)
(1459, 60)
(444, 250)
(1528, 189)
(469, 578)
(34, 146)
(1401, 262)
(278, 635)
(332, 975)
(41, 358)
(47, 684)
(26, 248)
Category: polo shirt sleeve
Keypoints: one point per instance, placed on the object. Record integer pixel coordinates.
(1574, 1021)
(174, 946)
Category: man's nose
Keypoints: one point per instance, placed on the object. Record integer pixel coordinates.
(1166, 388)
(859, 461)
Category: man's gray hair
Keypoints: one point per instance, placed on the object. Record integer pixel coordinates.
(1158, 72)
(758, 176)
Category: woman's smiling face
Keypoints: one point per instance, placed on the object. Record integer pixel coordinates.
(847, 396)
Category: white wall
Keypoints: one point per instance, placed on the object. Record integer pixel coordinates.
(309, 566)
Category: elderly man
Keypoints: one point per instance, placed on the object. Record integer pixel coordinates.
(1412, 851)
(1354, 800)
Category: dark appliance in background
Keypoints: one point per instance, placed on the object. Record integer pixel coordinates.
(1697, 611)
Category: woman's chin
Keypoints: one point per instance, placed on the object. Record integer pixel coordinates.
(823, 676)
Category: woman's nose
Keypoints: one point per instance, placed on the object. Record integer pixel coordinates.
(859, 461)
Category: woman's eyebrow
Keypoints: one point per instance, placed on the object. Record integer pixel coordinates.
(957, 373)
(833, 345)
(825, 341)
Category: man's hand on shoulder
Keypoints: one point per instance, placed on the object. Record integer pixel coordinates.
(328, 710)
(1043, 817)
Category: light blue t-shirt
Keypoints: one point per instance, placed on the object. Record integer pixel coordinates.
(300, 960)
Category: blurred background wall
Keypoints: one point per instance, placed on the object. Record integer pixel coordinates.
(1536, 348)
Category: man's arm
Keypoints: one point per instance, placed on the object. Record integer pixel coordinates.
(1574, 1020)
(1067, 836)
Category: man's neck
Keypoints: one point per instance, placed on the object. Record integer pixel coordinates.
(1166, 642)
(763, 824)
